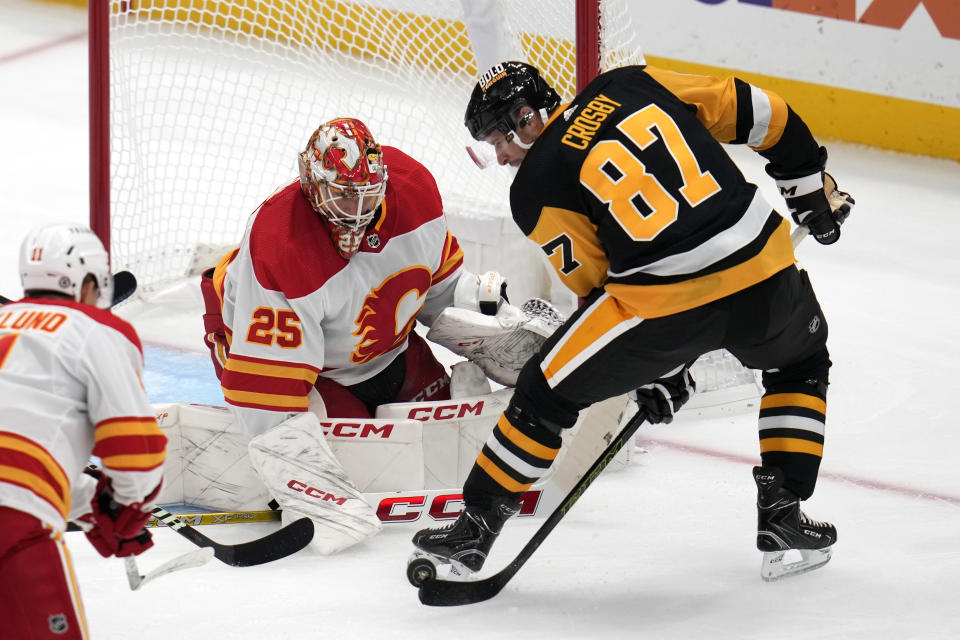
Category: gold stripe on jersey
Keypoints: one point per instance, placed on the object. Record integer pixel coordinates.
(525, 442)
(6, 345)
(126, 427)
(514, 460)
(57, 493)
(134, 461)
(717, 105)
(268, 401)
(791, 445)
(290, 372)
(37, 485)
(220, 272)
(792, 423)
(775, 400)
(452, 258)
(579, 260)
(500, 477)
(605, 321)
(656, 300)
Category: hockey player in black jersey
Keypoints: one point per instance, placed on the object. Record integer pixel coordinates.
(643, 215)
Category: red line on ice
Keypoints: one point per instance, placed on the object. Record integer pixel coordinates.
(42, 47)
(861, 482)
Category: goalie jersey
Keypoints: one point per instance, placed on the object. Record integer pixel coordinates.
(70, 386)
(294, 309)
(629, 189)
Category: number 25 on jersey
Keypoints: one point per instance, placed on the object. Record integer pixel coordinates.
(280, 326)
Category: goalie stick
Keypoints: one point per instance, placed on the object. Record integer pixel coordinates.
(279, 544)
(444, 593)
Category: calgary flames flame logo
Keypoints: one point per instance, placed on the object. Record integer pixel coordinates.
(389, 312)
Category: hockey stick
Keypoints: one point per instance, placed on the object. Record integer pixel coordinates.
(195, 558)
(203, 519)
(225, 517)
(443, 593)
(279, 544)
(799, 234)
(124, 286)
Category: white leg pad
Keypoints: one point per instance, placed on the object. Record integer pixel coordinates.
(297, 466)
(454, 432)
(206, 464)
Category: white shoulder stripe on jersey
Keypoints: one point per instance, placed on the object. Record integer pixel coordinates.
(762, 112)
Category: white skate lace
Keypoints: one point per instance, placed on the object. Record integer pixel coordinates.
(810, 522)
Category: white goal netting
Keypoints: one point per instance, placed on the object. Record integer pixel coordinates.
(212, 99)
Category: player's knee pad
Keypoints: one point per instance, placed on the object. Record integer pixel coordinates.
(534, 400)
(811, 374)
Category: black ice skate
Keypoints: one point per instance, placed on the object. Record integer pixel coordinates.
(463, 545)
(782, 526)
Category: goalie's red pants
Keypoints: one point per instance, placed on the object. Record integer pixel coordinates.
(38, 590)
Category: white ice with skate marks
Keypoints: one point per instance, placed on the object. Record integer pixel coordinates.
(664, 549)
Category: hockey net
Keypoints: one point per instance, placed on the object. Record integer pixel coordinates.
(210, 101)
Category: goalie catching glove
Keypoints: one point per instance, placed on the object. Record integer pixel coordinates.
(815, 201)
(500, 345)
(663, 397)
(114, 529)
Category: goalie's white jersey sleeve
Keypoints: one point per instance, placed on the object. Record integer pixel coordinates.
(294, 309)
(70, 386)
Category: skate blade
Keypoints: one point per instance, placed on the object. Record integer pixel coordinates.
(774, 568)
(446, 568)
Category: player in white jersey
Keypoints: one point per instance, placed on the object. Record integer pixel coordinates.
(333, 272)
(69, 388)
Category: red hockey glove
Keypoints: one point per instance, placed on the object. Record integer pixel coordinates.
(114, 529)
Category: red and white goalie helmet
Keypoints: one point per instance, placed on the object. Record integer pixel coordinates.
(57, 257)
(343, 176)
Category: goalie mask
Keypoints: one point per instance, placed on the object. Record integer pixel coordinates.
(499, 95)
(58, 258)
(343, 176)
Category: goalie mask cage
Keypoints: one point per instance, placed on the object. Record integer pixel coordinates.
(198, 108)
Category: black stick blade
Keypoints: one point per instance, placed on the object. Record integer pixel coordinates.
(279, 544)
(448, 593)
(124, 286)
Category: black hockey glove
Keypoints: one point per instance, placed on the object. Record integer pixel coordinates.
(662, 398)
(815, 201)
